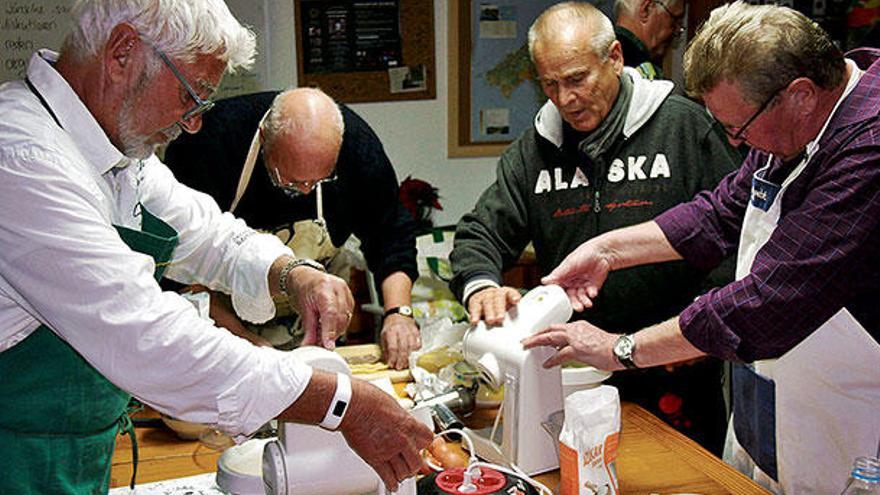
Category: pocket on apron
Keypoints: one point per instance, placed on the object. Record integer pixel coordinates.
(754, 416)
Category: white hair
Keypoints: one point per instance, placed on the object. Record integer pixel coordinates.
(631, 7)
(279, 123)
(182, 29)
(575, 13)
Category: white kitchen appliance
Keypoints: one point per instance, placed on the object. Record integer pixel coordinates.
(531, 393)
(304, 459)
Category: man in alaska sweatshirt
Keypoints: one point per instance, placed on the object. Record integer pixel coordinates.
(610, 149)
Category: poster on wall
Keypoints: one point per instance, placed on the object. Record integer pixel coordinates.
(350, 36)
(366, 50)
(25, 27)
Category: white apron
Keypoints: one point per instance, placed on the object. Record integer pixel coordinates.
(800, 420)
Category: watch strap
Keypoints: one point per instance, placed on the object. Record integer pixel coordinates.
(404, 310)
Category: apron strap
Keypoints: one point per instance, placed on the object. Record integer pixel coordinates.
(43, 101)
(248, 169)
(126, 427)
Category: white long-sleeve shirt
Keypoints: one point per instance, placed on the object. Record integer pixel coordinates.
(62, 264)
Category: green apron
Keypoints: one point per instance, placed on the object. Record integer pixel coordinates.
(58, 415)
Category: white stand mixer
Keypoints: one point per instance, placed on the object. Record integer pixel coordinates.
(305, 459)
(531, 393)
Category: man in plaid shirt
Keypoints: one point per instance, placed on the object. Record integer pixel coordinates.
(802, 215)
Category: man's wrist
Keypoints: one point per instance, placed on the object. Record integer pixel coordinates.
(477, 285)
(339, 404)
(289, 266)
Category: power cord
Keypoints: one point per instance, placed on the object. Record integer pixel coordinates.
(472, 473)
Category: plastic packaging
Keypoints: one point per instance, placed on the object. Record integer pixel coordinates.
(588, 442)
(864, 478)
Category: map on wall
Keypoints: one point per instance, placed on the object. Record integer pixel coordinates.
(504, 91)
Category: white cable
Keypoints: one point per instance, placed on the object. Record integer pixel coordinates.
(496, 423)
(476, 463)
(532, 481)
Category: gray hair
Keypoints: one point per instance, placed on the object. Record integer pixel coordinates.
(576, 12)
(628, 7)
(277, 123)
(631, 7)
(182, 29)
(760, 48)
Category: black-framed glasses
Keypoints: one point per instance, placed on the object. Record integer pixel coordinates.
(677, 20)
(736, 136)
(294, 188)
(201, 106)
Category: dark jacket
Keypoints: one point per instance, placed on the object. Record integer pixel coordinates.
(363, 201)
(557, 188)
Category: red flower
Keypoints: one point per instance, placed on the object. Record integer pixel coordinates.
(419, 197)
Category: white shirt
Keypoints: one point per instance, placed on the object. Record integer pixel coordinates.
(63, 264)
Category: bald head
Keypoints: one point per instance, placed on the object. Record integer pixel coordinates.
(302, 135)
(569, 20)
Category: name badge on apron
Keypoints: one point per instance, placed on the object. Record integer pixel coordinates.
(763, 192)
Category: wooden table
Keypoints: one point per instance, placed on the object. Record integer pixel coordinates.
(653, 458)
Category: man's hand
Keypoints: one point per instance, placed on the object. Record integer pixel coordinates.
(490, 305)
(384, 435)
(577, 341)
(400, 336)
(582, 274)
(325, 303)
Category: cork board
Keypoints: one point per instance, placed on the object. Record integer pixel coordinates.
(410, 75)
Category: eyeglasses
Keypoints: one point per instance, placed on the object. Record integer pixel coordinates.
(201, 106)
(736, 136)
(677, 20)
(294, 188)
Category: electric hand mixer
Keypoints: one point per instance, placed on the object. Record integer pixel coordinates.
(305, 458)
(531, 393)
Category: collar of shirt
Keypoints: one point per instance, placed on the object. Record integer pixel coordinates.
(76, 119)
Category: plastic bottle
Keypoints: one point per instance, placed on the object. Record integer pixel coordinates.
(864, 478)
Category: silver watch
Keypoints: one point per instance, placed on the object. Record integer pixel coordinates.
(293, 264)
(624, 349)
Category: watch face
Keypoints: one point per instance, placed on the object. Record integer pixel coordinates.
(623, 346)
(405, 311)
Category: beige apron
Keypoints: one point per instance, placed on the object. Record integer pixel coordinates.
(801, 419)
(310, 238)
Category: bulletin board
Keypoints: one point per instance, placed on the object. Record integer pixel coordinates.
(365, 51)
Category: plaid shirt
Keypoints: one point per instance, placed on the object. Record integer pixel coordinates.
(823, 255)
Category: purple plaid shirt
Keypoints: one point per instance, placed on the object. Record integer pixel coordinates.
(824, 254)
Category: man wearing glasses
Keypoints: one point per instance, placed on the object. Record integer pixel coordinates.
(803, 216)
(647, 29)
(300, 161)
(90, 219)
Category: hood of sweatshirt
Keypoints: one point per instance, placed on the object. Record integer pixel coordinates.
(646, 97)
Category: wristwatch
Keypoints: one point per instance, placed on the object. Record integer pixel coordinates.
(399, 310)
(623, 351)
(293, 263)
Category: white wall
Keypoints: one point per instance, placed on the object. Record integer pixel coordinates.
(414, 132)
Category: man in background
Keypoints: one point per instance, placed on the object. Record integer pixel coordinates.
(321, 176)
(90, 219)
(647, 29)
(609, 149)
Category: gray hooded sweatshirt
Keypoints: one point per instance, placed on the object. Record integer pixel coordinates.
(557, 187)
